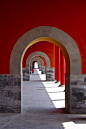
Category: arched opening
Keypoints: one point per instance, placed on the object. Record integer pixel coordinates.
(61, 103)
(67, 46)
(36, 58)
(39, 55)
(39, 70)
(36, 53)
(35, 65)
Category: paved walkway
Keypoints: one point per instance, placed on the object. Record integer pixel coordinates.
(39, 112)
(35, 96)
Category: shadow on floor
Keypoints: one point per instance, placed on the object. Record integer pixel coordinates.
(50, 111)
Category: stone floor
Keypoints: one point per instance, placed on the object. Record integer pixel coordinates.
(38, 111)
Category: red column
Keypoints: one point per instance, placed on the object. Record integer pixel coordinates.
(58, 64)
(55, 62)
(62, 69)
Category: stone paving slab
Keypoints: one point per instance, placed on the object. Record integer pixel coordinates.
(42, 114)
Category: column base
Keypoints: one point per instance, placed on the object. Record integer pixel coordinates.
(58, 82)
(50, 74)
(26, 74)
(10, 93)
(75, 92)
(43, 70)
(61, 86)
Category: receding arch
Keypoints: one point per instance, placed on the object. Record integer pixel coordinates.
(40, 54)
(39, 63)
(35, 63)
(53, 35)
(35, 59)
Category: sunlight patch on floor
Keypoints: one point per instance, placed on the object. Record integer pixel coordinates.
(56, 94)
(39, 72)
(42, 76)
(72, 125)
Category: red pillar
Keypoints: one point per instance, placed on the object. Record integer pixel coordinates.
(55, 62)
(58, 64)
(62, 69)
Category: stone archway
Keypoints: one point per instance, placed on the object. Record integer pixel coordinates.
(40, 54)
(72, 56)
(38, 61)
(36, 58)
(49, 71)
(29, 61)
(27, 70)
(32, 63)
(52, 33)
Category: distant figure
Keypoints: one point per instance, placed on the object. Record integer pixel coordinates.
(32, 70)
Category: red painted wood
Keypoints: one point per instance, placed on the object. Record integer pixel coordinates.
(62, 69)
(55, 62)
(58, 64)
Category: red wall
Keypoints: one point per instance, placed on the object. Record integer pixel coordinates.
(46, 47)
(19, 16)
